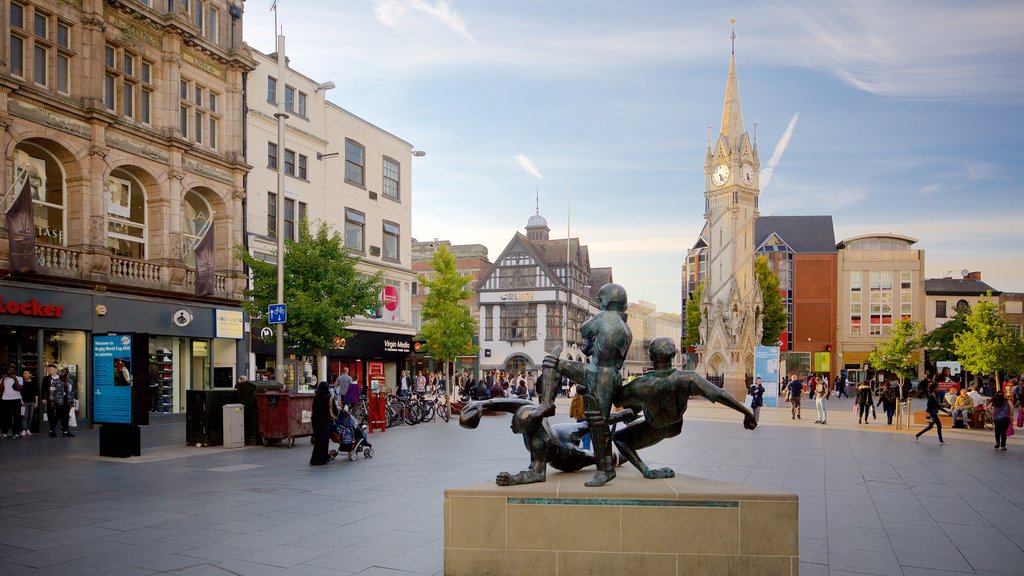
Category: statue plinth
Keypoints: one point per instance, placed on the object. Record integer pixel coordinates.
(681, 525)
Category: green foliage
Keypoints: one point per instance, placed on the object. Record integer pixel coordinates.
(895, 355)
(692, 336)
(987, 345)
(773, 315)
(448, 325)
(322, 289)
(940, 340)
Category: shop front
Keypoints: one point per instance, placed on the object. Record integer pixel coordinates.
(190, 345)
(365, 350)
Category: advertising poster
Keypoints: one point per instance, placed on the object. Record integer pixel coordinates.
(112, 379)
(766, 367)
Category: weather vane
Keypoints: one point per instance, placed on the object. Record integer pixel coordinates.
(733, 36)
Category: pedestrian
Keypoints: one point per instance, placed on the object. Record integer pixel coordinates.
(1001, 414)
(10, 404)
(45, 386)
(29, 401)
(578, 412)
(841, 387)
(933, 414)
(403, 384)
(887, 400)
(342, 382)
(62, 398)
(864, 402)
(757, 398)
(793, 391)
(821, 395)
(963, 404)
(321, 421)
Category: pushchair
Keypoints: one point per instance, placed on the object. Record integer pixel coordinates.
(350, 436)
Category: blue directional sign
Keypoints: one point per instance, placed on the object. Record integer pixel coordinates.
(277, 314)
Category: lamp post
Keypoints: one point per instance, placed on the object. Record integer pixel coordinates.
(279, 221)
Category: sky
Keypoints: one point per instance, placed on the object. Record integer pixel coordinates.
(895, 117)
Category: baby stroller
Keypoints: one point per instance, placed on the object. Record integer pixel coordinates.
(350, 436)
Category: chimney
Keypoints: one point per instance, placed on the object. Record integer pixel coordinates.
(973, 276)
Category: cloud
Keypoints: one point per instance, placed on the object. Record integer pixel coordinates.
(766, 175)
(396, 14)
(528, 167)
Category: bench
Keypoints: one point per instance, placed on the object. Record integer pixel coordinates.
(920, 417)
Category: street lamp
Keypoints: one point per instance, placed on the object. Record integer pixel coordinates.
(279, 222)
(329, 85)
(419, 153)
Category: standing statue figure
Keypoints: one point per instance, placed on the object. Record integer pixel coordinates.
(662, 395)
(606, 339)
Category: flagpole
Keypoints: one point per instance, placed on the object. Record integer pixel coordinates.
(568, 267)
(279, 224)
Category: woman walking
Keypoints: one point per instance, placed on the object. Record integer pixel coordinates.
(1001, 418)
(864, 400)
(321, 420)
(933, 414)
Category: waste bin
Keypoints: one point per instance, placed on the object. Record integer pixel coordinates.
(284, 416)
(234, 425)
(247, 392)
(204, 425)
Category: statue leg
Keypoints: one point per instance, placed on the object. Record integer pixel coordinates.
(601, 437)
(640, 435)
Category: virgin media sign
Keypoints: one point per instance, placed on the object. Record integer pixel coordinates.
(30, 308)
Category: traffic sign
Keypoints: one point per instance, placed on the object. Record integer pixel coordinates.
(277, 314)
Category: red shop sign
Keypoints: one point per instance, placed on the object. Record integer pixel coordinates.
(30, 308)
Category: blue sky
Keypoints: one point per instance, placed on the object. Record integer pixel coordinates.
(903, 117)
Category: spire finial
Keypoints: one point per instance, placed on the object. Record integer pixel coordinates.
(755, 133)
(538, 199)
(733, 36)
(709, 135)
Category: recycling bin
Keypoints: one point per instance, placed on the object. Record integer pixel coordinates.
(247, 392)
(284, 416)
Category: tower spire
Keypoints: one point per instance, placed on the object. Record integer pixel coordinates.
(732, 113)
(733, 35)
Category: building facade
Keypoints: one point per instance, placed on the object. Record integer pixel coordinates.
(945, 297)
(880, 281)
(646, 323)
(536, 287)
(125, 119)
(470, 260)
(355, 177)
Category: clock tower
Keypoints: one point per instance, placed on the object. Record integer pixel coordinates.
(731, 301)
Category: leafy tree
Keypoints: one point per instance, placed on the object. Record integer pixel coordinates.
(322, 289)
(448, 326)
(940, 340)
(895, 355)
(988, 346)
(773, 314)
(692, 336)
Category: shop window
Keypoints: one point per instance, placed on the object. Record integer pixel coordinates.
(48, 186)
(196, 218)
(126, 216)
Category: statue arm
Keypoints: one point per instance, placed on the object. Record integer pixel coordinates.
(469, 416)
(716, 394)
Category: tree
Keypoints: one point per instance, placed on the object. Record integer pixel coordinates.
(692, 336)
(988, 346)
(322, 289)
(773, 313)
(895, 355)
(448, 326)
(940, 340)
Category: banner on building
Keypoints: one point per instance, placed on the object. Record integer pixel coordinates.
(766, 367)
(822, 362)
(21, 230)
(205, 263)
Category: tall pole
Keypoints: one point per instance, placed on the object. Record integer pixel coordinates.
(568, 266)
(279, 224)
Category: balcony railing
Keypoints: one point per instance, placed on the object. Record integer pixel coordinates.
(134, 270)
(220, 283)
(58, 258)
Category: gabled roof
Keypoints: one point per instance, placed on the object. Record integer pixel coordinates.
(599, 277)
(519, 240)
(553, 251)
(804, 234)
(957, 287)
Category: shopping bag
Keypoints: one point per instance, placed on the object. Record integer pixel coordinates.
(1009, 429)
(72, 419)
(1020, 417)
(856, 408)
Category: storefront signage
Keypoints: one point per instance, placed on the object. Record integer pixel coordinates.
(203, 64)
(30, 308)
(400, 346)
(822, 362)
(390, 298)
(514, 296)
(228, 324)
(111, 377)
(375, 368)
(181, 318)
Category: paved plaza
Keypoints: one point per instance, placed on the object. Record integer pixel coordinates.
(872, 501)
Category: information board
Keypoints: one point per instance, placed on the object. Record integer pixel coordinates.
(111, 377)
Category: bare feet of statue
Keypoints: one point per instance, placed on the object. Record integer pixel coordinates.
(660, 473)
(600, 478)
(524, 477)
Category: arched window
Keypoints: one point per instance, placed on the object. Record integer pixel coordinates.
(49, 186)
(196, 216)
(126, 216)
(517, 363)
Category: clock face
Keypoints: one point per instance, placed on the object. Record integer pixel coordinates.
(747, 174)
(720, 175)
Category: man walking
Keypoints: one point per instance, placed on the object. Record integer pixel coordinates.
(794, 389)
(62, 397)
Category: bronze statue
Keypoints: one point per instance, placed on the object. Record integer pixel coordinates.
(557, 445)
(606, 339)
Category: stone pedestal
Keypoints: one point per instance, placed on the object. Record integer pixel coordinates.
(678, 526)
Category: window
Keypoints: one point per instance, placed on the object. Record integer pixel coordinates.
(302, 214)
(271, 155)
(940, 308)
(41, 43)
(126, 216)
(488, 322)
(48, 192)
(289, 162)
(355, 228)
(271, 214)
(518, 322)
(962, 306)
(856, 303)
(128, 85)
(391, 238)
(355, 162)
(212, 27)
(303, 161)
(271, 90)
(906, 295)
(881, 303)
(302, 104)
(198, 105)
(196, 218)
(554, 321)
(289, 219)
(289, 98)
(392, 170)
